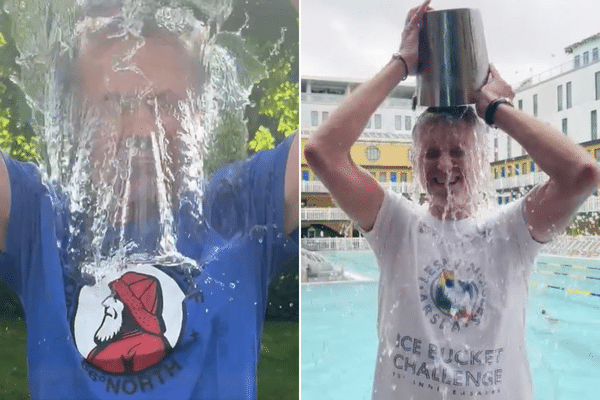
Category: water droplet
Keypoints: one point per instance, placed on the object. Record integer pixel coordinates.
(232, 285)
(291, 304)
(206, 310)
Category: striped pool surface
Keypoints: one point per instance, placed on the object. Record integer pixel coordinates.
(339, 338)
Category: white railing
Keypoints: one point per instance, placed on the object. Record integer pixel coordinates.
(582, 246)
(318, 187)
(592, 204)
(519, 181)
(335, 244)
(551, 73)
(323, 214)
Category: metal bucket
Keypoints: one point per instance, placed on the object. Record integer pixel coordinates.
(453, 60)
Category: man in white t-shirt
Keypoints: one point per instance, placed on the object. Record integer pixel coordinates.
(453, 288)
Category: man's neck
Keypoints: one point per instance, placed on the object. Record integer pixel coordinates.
(450, 212)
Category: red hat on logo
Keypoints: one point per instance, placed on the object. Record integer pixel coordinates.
(142, 295)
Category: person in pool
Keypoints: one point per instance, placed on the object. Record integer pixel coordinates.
(144, 330)
(453, 286)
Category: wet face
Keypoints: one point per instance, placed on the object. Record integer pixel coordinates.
(446, 157)
(112, 321)
(132, 95)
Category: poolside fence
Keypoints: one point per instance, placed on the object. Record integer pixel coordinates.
(563, 245)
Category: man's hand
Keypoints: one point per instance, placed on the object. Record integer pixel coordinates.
(409, 48)
(494, 88)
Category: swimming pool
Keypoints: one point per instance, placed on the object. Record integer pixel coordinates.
(339, 338)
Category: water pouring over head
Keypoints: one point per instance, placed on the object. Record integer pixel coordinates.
(449, 159)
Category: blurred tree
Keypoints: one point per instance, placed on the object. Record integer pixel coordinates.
(273, 109)
(17, 137)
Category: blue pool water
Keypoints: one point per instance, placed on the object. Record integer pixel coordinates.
(339, 338)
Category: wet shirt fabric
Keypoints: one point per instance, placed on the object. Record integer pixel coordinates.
(452, 304)
(151, 331)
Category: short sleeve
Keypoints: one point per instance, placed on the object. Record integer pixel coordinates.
(513, 233)
(247, 198)
(392, 223)
(23, 227)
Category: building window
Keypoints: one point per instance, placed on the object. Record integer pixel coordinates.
(535, 106)
(564, 126)
(597, 155)
(524, 168)
(517, 170)
(521, 104)
(382, 176)
(559, 97)
(393, 177)
(495, 149)
(305, 176)
(407, 123)
(372, 153)
(508, 148)
(314, 118)
(594, 54)
(509, 171)
(594, 117)
(532, 169)
(495, 173)
(403, 177)
(569, 95)
(377, 121)
(586, 58)
(325, 116)
(503, 172)
(576, 61)
(368, 124)
(398, 122)
(597, 85)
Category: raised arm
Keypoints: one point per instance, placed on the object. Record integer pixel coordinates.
(573, 174)
(4, 203)
(292, 193)
(328, 149)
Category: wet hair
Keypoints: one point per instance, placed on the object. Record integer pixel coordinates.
(449, 118)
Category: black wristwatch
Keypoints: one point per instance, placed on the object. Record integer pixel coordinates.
(490, 111)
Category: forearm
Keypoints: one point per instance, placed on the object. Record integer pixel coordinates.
(334, 138)
(567, 164)
(4, 203)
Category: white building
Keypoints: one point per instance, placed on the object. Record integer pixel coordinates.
(567, 97)
(320, 96)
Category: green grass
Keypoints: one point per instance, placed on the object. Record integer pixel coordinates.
(278, 364)
(13, 367)
(277, 367)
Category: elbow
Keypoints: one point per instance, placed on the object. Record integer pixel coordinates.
(314, 156)
(587, 178)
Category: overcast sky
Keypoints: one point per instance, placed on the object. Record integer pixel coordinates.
(356, 38)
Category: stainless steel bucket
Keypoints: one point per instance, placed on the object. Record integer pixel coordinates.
(453, 60)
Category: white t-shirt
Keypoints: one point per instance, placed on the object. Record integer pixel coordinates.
(452, 304)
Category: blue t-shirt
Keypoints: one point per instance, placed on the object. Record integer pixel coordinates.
(182, 333)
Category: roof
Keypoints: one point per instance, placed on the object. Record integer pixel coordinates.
(569, 49)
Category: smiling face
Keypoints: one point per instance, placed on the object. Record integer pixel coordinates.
(446, 165)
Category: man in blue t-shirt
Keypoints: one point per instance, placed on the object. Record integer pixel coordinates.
(145, 329)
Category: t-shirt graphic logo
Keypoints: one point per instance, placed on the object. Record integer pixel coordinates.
(133, 331)
(454, 297)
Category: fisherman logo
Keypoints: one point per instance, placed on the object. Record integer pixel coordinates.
(452, 294)
(129, 321)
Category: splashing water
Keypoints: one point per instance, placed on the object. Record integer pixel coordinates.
(127, 95)
(460, 185)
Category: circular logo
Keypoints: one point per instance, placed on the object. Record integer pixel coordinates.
(129, 320)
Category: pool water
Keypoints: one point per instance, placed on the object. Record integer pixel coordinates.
(339, 337)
